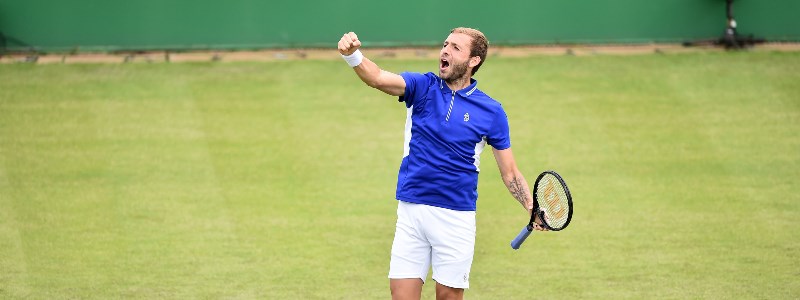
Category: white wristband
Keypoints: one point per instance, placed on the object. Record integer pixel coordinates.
(354, 59)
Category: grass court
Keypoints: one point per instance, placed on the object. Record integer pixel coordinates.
(275, 180)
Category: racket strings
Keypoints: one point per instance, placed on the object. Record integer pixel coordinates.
(553, 201)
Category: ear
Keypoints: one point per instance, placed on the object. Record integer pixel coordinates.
(474, 61)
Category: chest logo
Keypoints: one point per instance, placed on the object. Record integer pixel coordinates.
(466, 117)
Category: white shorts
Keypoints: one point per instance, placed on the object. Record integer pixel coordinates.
(432, 236)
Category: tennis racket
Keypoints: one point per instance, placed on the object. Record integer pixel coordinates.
(552, 203)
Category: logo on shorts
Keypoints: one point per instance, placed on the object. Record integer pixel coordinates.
(466, 117)
(466, 277)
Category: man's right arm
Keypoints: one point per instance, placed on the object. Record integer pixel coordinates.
(368, 71)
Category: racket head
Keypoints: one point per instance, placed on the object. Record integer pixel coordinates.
(552, 201)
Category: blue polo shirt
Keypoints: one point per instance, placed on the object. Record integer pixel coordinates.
(445, 134)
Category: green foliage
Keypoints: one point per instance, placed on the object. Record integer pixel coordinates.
(276, 180)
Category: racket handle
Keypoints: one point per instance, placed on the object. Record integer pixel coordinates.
(521, 237)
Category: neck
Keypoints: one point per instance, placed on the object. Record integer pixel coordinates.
(458, 83)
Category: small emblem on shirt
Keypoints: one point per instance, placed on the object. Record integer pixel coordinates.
(466, 117)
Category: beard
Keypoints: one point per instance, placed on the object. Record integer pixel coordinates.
(457, 71)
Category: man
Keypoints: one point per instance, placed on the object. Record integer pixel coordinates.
(449, 121)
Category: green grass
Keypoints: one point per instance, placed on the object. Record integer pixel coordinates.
(276, 180)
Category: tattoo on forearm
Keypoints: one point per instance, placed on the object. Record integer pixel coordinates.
(517, 190)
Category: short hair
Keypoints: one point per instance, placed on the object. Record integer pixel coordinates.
(479, 46)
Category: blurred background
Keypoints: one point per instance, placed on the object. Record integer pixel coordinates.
(97, 25)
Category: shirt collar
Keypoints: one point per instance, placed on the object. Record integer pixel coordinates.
(465, 92)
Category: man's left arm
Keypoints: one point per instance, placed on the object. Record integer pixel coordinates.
(514, 180)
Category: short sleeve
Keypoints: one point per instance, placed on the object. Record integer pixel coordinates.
(416, 85)
(499, 137)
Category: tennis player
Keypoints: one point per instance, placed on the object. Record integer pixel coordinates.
(449, 121)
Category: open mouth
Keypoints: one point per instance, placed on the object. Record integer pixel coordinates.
(443, 63)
